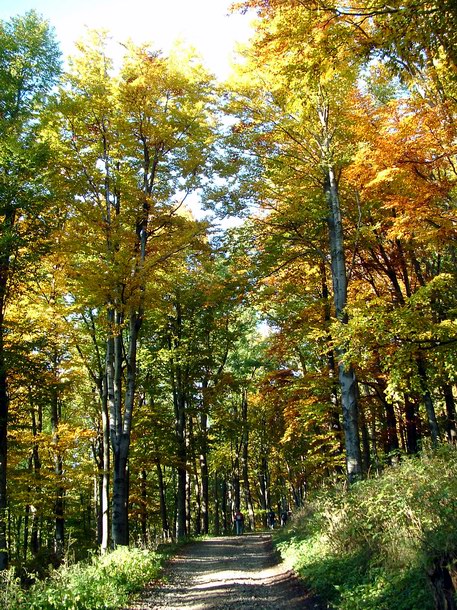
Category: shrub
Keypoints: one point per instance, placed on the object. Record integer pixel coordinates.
(103, 583)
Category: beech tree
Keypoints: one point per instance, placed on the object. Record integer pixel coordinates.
(298, 120)
(135, 145)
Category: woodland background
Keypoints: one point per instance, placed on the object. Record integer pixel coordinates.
(158, 373)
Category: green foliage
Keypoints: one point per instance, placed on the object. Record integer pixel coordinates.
(377, 545)
(105, 582)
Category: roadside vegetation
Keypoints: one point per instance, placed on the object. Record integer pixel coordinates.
(103, 582)
(387, 542)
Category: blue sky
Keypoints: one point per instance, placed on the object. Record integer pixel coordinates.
(205, 24)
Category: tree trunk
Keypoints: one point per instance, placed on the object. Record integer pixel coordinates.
(429, 407)
(335, 423)
(181, 512)
(217, 523)
(411, 426)
(225, 520)
(391, 428)
(179, 403)
(245, 461)
(451, 428)
(4, 404)
(119, 525)
(346, 374)
(121, 419)
(59, 537)
(366, 457)
(263, 496)
(104, 500)
(163, 504)
(144, 507)
(37, 428)
(204, 473)
(236, 483)
(7, 228)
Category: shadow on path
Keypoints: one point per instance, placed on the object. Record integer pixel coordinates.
(233, 573)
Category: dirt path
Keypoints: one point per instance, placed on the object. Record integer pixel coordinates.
(236, 573)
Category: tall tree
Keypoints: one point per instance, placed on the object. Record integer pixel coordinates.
(135, 144)
(297, 121)
(29, 66)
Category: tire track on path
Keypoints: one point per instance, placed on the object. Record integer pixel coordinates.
(230, 573)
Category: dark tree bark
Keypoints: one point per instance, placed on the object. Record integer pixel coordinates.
(59, 536)
(4, 407)
(451, 417)
(177, 379)
(245, 461)
(204, 474)
(411, 426)
(225, 519)
(264, 499)
(8, 223)
(163, 504)
(429, 407)
(144, 506)
(217, 523)
(366, 455)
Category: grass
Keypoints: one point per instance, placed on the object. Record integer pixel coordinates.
(103, 583)
(382, 544)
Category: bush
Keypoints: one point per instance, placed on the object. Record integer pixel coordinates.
(104, 583)
(384, 543)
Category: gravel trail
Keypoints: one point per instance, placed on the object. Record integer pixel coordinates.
(231, 573)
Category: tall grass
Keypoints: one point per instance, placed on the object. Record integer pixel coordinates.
(388, 543)
(103, 583)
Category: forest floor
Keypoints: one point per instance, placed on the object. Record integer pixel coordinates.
(230, 573)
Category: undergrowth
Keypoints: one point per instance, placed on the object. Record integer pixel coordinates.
(102, 583)
(384, 543)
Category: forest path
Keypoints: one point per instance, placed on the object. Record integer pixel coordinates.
(230, 573)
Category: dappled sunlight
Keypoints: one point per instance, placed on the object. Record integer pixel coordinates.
(229, 573)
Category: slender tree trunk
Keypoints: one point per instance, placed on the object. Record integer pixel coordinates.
(106, 466)
(4, 404)
(163, 504)
(217, 523)
(245, 461)
(59, 538)
(391, 445)
(188, 500)
(411, 426)
(451, 427)
(263, 484)
(236, 482)
(429, 407)
(366, 457)
(204, 473)
(197, 494)
(25, 544)
(334, 400)
(179, 403)
(181, 528)
(224, 505)
(7, 227)
(144, 507)
(37, 427)
(346, 374)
